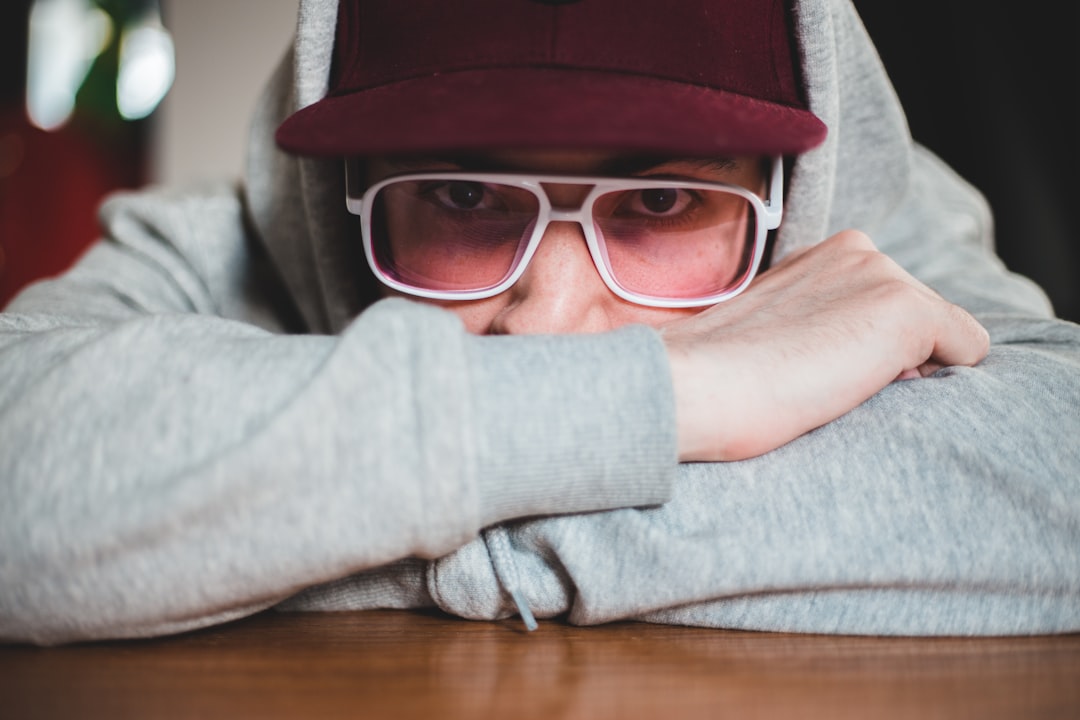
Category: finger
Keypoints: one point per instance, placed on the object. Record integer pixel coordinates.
(929, 368)
(909, 375)
(961, 340)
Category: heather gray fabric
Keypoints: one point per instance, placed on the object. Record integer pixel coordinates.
(198, 422)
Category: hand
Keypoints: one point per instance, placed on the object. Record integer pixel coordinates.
(809, 340)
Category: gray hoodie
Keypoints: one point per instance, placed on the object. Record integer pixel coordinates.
(202, 420)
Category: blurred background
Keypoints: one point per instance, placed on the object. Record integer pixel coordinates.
(992, 88)
(101, 95)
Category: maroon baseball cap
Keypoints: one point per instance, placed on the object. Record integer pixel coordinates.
(688, 77)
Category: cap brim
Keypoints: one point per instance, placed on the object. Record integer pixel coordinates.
(540, 108)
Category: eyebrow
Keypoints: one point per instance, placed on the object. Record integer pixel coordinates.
(618, 167)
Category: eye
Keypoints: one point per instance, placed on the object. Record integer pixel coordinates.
(656, 202)
(463, 195)
(659, 200)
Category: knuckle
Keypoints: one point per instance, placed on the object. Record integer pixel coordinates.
(854, 240)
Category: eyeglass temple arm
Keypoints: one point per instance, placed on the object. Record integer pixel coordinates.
(774, 202)
(353, 194)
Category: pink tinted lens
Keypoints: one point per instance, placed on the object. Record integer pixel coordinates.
(451, 235)
(677, 243)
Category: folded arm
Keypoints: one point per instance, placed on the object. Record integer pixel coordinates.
(164, 467)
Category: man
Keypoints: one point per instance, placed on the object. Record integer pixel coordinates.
(178, 458)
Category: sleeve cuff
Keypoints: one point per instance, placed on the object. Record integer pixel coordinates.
(572, 423)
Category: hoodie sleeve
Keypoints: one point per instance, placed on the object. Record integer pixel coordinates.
(165, 465)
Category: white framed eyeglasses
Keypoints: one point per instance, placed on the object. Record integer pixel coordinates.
(655, 241)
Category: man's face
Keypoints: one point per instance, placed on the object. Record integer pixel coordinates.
(561, 290)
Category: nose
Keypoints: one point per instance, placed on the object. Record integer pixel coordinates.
(560, 291)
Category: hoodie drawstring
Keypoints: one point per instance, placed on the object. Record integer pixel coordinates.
(497, 540)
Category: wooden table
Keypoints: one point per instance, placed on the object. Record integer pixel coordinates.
(407, 664)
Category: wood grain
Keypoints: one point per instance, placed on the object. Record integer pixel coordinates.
(403, 664)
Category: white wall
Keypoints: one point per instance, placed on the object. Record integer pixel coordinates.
(225, 52)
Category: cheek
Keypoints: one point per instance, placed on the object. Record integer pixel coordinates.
(653, 317)
(477, 319)
(476, 315)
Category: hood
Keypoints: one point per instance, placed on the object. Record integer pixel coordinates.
(297, 205)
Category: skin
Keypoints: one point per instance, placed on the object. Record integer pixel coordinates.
(813, 337)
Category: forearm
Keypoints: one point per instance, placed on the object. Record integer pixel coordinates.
(169, 467)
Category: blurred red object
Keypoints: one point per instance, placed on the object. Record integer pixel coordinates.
(51, 184)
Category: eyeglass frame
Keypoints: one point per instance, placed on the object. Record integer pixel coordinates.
(769, 213)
